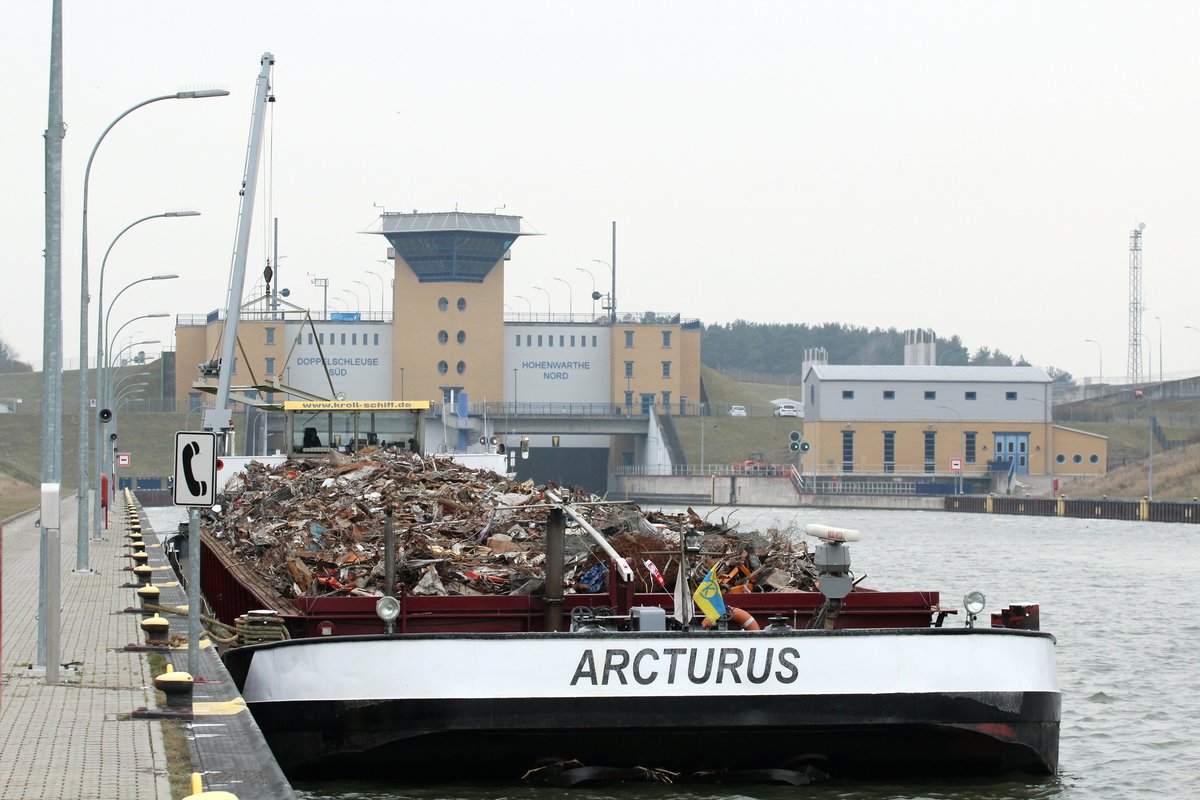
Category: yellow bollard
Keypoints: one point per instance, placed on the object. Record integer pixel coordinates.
(198, 792)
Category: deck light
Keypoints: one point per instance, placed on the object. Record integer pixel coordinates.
(973, 602)
(387, 608)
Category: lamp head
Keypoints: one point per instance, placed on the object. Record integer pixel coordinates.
(200, 93)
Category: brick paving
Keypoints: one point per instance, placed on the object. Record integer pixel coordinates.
(75, 740)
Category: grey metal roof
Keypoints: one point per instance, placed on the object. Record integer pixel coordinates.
(874, 372)
(392, 222)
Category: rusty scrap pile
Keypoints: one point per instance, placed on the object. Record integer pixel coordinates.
(317, 528)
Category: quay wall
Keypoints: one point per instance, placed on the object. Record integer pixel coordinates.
(746, 490)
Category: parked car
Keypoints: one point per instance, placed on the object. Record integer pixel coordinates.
(788, 410)
(737, 411)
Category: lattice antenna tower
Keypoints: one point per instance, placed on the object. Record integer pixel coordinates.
(1134, 369)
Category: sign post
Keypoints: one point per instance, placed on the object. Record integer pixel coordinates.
(956, 468)
(195, 485)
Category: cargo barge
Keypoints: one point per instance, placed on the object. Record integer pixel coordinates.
(843, 682)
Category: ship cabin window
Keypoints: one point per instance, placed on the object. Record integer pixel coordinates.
(969, 395)
(931, 395)
(847, 394)
(1010, 395)
(889, 394)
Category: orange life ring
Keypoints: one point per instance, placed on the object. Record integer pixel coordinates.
(739, 618)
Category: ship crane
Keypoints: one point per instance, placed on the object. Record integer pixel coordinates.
(219, 419)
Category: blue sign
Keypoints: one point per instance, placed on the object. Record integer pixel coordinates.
(345, 316)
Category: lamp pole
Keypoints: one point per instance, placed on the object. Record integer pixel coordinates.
(81, 545)
(368, 288)
(593, 277)
(570, 305)
(1101, 349)
(101, 389)
(526, 299)
(612, 297)
(382, 294)
(357, 299)
(543, 291)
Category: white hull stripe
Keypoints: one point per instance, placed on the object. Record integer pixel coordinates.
(577, 666)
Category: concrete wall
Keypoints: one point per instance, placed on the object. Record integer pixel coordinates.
(747, 490)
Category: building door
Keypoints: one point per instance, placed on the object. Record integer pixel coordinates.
(1016, 447)
(647, 402)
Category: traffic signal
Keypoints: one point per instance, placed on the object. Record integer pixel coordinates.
(804, 447)
(795, 437)
(795, 447)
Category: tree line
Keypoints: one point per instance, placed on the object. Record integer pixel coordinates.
(778, 348)
(9, 361)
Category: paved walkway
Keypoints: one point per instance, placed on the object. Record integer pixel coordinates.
(74, 740)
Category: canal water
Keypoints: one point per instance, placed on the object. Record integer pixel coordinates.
(1121, 598)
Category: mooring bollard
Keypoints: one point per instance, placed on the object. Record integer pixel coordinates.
(149, 595)
(157, 630)
(143, 574)
(177, 686)
(198, 792)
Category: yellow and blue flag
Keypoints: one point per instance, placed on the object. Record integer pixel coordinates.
(708, 596)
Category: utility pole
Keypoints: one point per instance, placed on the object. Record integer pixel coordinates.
(1134, 367)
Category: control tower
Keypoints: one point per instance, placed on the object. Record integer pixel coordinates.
(448, 302)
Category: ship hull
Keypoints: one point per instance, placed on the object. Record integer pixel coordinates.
(850, 702)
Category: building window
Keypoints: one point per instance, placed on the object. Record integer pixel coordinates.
(628, 399)
(666, 369)
(377, 340)
(1060, 458)
(321, 338)
(968, 395)
(969, 445)
(270, 335)
(461, 367)
(929, 395)
(889, 451)
(1093, 458)
(847, 451)
(443, 337)
(518, 340)
(310, 338)
(443, 367)
(354, 338)
(572, 340)
(234, 370)
(593, 341)
(666, 401)
(1010, 395)
(528, 340)
(539, 340)
(1077, 459)
(462, 304)
(365, 339)
(343, 338)
(847, 394)
(583, 341)
(300, 338)
(930, 451)
(666, 339)
(629, 338)
(443, 304)
(550, 340)
(461, 336)
(889, 394)
(628, 369)
(270, 366)
(562, 340)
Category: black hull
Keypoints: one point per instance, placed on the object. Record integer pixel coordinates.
(873, 735)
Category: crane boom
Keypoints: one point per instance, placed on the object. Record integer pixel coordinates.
(219, 418)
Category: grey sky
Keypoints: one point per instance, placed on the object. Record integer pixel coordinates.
(970, 167)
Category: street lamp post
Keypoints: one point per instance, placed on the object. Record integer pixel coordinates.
(1101, 349)
(382, 294)
(84, 298)
(101, 398)
(368, 288)
(526, 299)
(570, 304)
(612, 297)
(357, 300)
(593, 277)
(543, 291)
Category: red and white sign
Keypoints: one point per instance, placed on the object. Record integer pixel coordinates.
(956, 464)
(1137, 392)
(124, 459)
